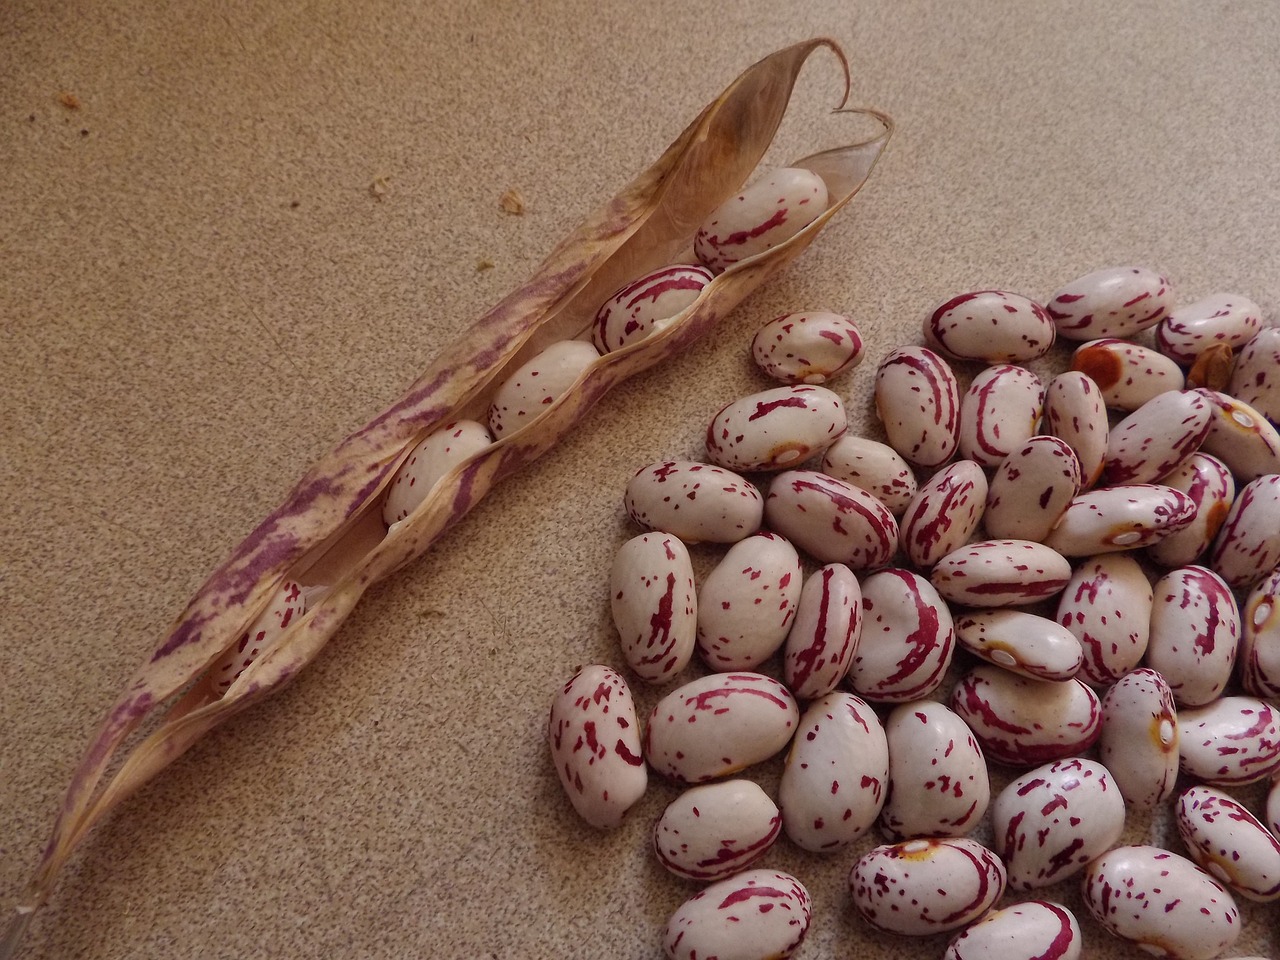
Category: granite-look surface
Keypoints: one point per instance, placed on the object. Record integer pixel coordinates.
(202, 289)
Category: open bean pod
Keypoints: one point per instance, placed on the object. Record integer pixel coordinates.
(328, 535)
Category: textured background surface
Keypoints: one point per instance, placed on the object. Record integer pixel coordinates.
(200, 294)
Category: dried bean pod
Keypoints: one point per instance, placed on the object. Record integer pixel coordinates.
(918, 401)
(922, 887)
(836, 776)
(1127, 374)
(747, 602)
(944, 513)
(595, 745)
(1248, 545)
(1195, 633)
(1031, 489)
(1024, 723)
(1226, 319)
(1256, 377)
(1075, 411)
(775, 429)
(938, 781)
(654, 606)
(1162, 902)
(1107, 606)
(811, 347)
(1115, 302)
(1139, 741)
(1260, 639)
(1157, 438)
(1209, 484)
(694, 501)
(1229, 842)
(993, 326)
(907, 638)
(832, 521)
(999, 412)
(874, 467)
(1242, 438)
(825, 634)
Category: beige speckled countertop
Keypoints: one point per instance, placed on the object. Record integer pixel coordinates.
(200, 293)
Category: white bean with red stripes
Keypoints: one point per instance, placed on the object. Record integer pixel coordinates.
(1020, 642)
(715, 830)
(1260, 639)
(654, 605)
(1139, 740)
(1195, 634)
(1211, 487)
(918, 401)
(832, 521)
(775, 429)
(1030, 930)
(874, 467)
(1123, 517)
(1051, 821)
(1241, 437)
(1127, 374)
(747, 602)
(836, 775)
(938, 781)
(944, 513)
(992, 326)
(1256, 377)
(438, 453)
(1031, 489)
(999, 412)
(696, 502)
(1157, 438)
(809, 347)
(1113, 302)
(1075, 412)
(537, 384)
(1000, 573)
(1107, 606)
(825, 633)
(1247, 547)
(644, 306)
(1220, 318)
(1230, 742)
(755, 915)
(907, 638)
(761, 216)
(1228, 841)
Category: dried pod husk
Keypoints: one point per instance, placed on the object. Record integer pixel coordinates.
(328, 535)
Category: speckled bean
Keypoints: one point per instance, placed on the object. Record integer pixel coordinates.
(907, 638)
(694, 501)
(1157, 438)
(773, 209)
(1000, 573)
(999, 413)
(715, 830)
(1139, 741)
(1031, 930)
(1248, 544)
(832, 521)
(1030, 490)
(537, 384)
(775, 429)
(1229, 842)
(1124, 517)
(1020, 642)
(918, 401)
(993, 326)
(1260, 639)
(646, 305)
(1209, 484)
(1256, 377)
(825, 634)
(1127, 374)
(1241, 437)
(1220, 318)
(874, 467)
(756, 915)
(747, 603)
(1107, 606)
(1113, 302)
(811, 347)
(1230, 742)
(944, 513)
(1195, 633)
(437, 454)
(1075, 411)
(654, 605)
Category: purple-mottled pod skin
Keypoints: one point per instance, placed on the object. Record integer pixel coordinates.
(1230, 742)
(715, 830)
(836, 776)
(926, 886)
(918, 401)
(1020, 642)
(1260, 639)
(287, 606)
(1195, 634)
(654, 605)
(763, 215)
(1030, 930)
(874, 467)
(825, 634)
(1000, 573)
(938, 781)
(1031, 489)
(944, 513)
(907, 638)
(1221, 318)
(1023, 723)
(1241, 437)
(1256, 377)
(1127, 374)
(595, 745)
(756, 915)
(775, 429)
(696, 502)
(1157, 438)
(811, 347)
(1209, 484)
(1229, 842)
(1248, 544)
(1051, 821)
(1123, 517)
(1162, 902)
(537, 384)
(645, 305)
(999, 412)
(717, 725)
(993, 326)
(1107, 606)
(1075, 412)
(1139, 741)
(832, 521)
(1115, 302)
(747, 603)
